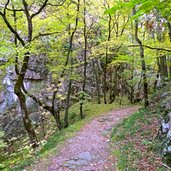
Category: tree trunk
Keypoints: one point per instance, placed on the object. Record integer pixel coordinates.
(18, 91)
(114, 87)
(67, 104)
(57, 119)
(143, 65)
(97, 82)
(85, 48)
(110, 87)
(105, 84)
(162, 62)
(169, 28)
(81, 110)
(85, 60)
(155, 82)
(169, 67)
(71, 62)
(106, 61)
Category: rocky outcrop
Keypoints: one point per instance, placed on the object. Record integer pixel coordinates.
(37, 73)
(13, 126)
(162, 103)
(10, 114)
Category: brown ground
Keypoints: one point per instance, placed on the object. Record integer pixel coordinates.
(89, 150)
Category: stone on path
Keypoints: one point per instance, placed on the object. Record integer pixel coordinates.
(90, 149)
(80, 160)
(85, 156)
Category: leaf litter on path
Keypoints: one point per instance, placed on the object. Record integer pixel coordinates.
(89, 150)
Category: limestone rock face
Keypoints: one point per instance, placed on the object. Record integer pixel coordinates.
(10, 113)
(37, 68)
(168, 104)
(37, 72)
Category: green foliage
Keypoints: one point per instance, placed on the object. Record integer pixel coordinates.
(51, 36)
(82, 97)
(143, 6)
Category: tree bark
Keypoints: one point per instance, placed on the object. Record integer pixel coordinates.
(169, 28)
(97, 82)
(18, 91)
(67, 104)
(143, 65)
(85, 59)
(106, 61)
(71, 63)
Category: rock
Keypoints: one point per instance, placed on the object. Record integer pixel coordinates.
(32, 106)
(168, 104)
(165, 126)
(169, 135)
(74, 163)
(163, 95)
(36, 73)
(77, 162)
(80, 160)
(85, 156)
(108, 129)
(5, 118)
(2, 94)
(15, 127)
(35, 117)
(104, 119)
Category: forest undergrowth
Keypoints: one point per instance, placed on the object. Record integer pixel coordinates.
(136, 142)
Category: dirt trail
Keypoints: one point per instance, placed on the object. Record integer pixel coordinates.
(89, 150)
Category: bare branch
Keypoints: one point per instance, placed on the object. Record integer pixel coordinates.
(8, 1)
(40, 9)
(9, 9)
(29, 21)
(12, 29)
(3, 15)
(44, 34)
(153, 48)
(165, 165)
(49, 108)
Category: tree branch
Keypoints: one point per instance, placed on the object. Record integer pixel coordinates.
(11, 28)
(44, 34)
(29, 21)
(49, 108)
(8, 1)
(40, 9)
(165, 165)
(153, 48)
(9, 9)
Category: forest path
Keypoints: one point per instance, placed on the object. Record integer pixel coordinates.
(89, 149)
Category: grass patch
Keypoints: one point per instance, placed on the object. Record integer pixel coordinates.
(54, 142)
(134, 144)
